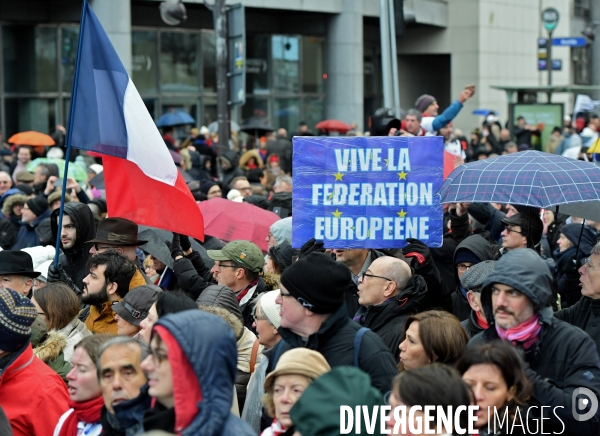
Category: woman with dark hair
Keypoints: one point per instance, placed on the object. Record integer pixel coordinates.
(168, 302)
(500, 387)
(431, 336)
(85, 393)
(59, 307)
(431, 385)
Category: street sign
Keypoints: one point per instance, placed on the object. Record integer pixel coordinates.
(572, 41)
(550, 18)
(556, 64)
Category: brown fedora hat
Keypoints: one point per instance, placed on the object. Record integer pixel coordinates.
(117, 231)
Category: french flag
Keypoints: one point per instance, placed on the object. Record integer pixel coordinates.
(109, 117)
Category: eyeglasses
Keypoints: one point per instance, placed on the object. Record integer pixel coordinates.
(258, 318)
(300, 300)
(586, 262)
(461, 267)
(158, 357)
(361, 277)
(220, 265)
(512, 230)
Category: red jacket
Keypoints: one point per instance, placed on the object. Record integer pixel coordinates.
(32, 395)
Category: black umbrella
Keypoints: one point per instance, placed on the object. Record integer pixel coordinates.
(256, 125)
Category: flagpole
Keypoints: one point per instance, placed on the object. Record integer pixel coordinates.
(70, 133)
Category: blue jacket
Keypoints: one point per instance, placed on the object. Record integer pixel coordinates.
(209, 346)
(28, 236)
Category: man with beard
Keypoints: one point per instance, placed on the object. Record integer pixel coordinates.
(77, 227)
(106, 284)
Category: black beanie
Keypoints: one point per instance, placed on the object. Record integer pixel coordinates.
(318, 282)
(38, 205)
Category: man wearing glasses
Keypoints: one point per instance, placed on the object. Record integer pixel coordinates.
(523, 230)
(314, 315)
(237, 266)
(585, 314)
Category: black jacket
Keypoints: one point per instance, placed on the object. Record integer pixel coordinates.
(443, 260)
(192, 274)
(73, 260)
(481, 248)
(470, 325)
(584, 314)
(563, 359)
(281, 147)
(335, 341)
(387, 319)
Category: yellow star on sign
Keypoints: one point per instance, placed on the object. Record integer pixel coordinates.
(402, 175)
(386, 162)
(401, 214)
(337, 213)
(338, 176)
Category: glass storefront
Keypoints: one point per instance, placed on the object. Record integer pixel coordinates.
(173, 69)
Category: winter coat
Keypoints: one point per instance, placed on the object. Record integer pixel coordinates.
(245, 158)
(563, 359)
(387, 319)
(553, 232)
(32, 395)
(584, 314)
(443, 260)
(470, 325)
(5, 429)
(8, 234)
(27, 236)
(73, 260)
(192, 274)
(50, 351)
(226, 176)
(203, 394)
(481, 248)
(75, 331)
(335, 341)
(281, 147)
(101, 320)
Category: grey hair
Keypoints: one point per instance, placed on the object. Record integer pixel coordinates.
(416, 113)
(124, 341)
(283, 179)
(596, 249)
(397, 274)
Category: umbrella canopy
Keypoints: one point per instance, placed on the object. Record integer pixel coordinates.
(484, 112)
(590, 210)
(171, 119)
(31, 138)
(230, 220)
(156, 245)
(256, 125)
(214, 126)
(531, 178)
(75, 171)
(333, 126)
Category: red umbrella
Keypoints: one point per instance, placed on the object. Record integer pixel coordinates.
(229, 220)
(333, 126)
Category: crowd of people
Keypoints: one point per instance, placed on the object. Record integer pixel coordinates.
(224, 338)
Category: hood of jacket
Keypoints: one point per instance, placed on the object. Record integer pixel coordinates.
(12, 201)
(408, 301)
(524, 270)
(221, 297)
(83, 219)
(232, 158)
(206, 368)
(477, 245)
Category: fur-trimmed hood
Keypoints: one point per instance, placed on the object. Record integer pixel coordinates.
(52, 347)
(12, 201)
(271, 280)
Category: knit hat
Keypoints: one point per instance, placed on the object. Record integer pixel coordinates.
(282, 230)
(318, 282)
(298, 361)
(38, 205)
(317, 411)
(17, 313)
(474, 277)
(424, 101)
(270, 308)
(465, 255)
(135, 306)
(205, 185)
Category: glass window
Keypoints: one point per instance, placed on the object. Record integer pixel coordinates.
(209, 68)
(29, 55)
(37, 114)
(151, 106)
(69, 42)
(179, 62)
(287, 113)
(143, 60)
(257, 65)
(286, 63)
(313, 112)
(255, 107)
(209, 110)
(312, 64)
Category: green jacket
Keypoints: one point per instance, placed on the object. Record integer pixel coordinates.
(48, 346)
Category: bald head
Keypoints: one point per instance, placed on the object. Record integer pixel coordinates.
(282, 132)
(5, 182)
(385, 278)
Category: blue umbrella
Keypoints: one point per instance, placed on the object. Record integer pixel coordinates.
(171, 119)
(531, 178)
(484, 112)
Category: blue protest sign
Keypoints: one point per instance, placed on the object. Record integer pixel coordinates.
(367, 192)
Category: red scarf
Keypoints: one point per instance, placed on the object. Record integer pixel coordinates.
(86, 411)
(481, 322)
(525, 334)
(244, 291)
